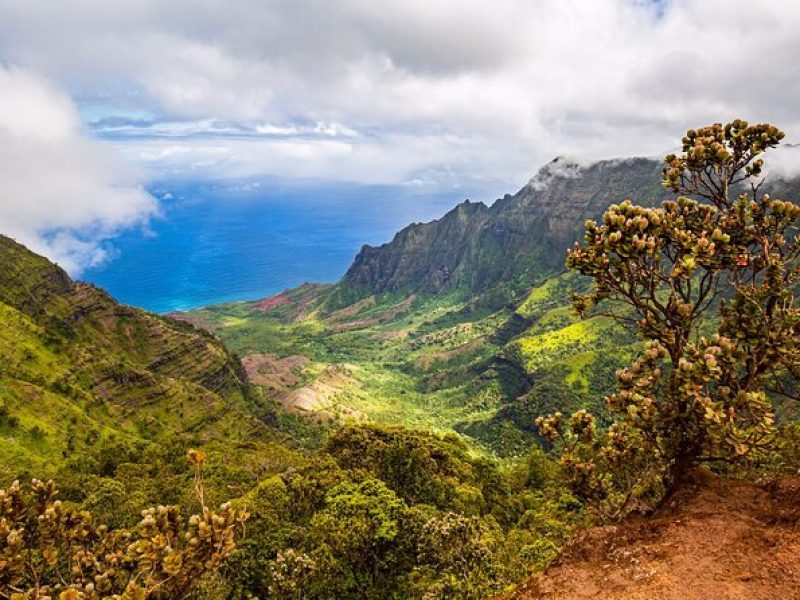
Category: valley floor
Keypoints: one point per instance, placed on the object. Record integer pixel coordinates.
(717, 538)
(386, 362)
(437, 362)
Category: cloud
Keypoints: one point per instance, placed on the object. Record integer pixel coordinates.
(782, 163)
(61, 193)
(513, 81)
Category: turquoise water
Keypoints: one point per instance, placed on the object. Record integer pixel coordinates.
(213, 245)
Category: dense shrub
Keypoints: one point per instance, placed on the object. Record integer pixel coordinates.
(49, 548)
(707, 281)
(385, 512)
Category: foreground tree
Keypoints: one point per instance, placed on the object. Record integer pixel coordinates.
(51, 550)
(707, 282)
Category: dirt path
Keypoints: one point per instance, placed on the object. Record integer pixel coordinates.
(717, 539)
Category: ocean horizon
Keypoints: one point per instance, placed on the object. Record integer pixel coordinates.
(215, 243)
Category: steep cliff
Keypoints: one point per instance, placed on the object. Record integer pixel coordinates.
(517, 239)
(511, 243)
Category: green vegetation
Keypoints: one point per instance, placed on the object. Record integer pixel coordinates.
(689, 399)
(440, 363)
(50, 548)
(416, 368)
(386, 512)
(107, 399)
(381, 433)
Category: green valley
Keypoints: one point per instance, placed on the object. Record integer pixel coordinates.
(461, 324)
(440, 363)
(375, 438)
(406, 300)
(108, 400)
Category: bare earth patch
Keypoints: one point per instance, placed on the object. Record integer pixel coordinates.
(274, 373)
(193, 319)
(271, 302)
(322, 397)
(385, 316)
(355, 308)
(716, 539)
(296, 300)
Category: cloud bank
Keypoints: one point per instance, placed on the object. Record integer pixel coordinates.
(431, 93)
(601, 77)
(61, 193)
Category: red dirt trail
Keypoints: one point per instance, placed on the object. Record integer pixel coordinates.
(716, 539)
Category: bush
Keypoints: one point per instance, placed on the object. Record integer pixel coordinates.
(707, 281)
(7, 419)
(49, 548)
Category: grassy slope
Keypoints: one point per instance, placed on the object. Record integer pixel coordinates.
(78, 369)
(440, 362)
(107, 399)
(394, 368)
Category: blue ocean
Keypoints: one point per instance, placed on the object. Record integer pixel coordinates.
(214, 243)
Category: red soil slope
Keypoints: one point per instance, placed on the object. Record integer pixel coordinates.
(272, 302)
(717, 539)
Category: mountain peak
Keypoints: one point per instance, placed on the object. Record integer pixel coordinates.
(560, 167)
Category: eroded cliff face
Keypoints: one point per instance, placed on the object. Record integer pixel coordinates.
(511, 243)
(425, 255)
(519, 238)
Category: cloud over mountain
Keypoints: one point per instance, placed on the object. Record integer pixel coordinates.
(61, 192)
(432, 93)
(608, 77)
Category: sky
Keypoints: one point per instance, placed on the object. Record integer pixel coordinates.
(100, 99)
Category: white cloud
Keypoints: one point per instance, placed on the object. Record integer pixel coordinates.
(783, 162)
(515, 82)
(561, 168)
(270, 129)
(61, 193)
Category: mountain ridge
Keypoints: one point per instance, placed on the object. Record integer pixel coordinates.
(469, 313)
(108, 397)
(72, 353)
(516, 240)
